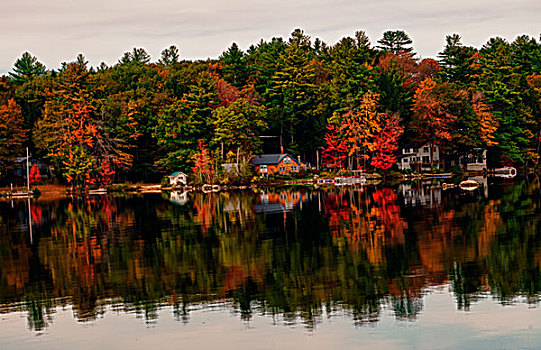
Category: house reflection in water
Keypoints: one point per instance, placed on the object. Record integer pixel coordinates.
(420, 194)
(179, 198)
(280, 202)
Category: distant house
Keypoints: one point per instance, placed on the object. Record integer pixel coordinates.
(280, 164)
(417, 158)
(178, 178)
(474, 161)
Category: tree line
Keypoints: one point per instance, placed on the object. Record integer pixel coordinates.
(351, 104)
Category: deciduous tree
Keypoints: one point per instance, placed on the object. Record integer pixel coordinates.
(12, 135)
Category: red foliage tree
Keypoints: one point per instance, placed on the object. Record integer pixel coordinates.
(203, 165)
(431, 119)
(35, 176)
(105, 173)
(336, 150)
(387, 143)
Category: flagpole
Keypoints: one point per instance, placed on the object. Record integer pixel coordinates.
(27, 173)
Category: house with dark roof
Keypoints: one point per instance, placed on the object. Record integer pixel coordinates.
(279, 164)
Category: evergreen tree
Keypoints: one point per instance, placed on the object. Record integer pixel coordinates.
(26, 67)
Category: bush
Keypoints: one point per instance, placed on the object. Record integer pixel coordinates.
(165, 181)
(456, 169)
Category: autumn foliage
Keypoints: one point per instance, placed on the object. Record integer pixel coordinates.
(12, 135)
(386, 142)
(35, 176)
(203, 165)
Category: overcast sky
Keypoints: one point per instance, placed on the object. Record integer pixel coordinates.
(57, 30)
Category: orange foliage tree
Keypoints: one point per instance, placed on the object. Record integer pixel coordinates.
(387, 143)
(335, 151)
(431, 119)
(12, 135)
(203, 164)
(359, 128)
(72, 129)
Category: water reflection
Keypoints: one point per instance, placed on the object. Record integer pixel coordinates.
(295, 253)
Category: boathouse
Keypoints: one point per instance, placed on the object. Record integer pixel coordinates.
(178, 178)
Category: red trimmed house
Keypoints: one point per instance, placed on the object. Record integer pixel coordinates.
(279, 164)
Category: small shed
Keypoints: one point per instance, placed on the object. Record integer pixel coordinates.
(178, 178)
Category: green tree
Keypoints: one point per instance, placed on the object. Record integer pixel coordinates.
(26, 67)
(350, 70)
(292, 102)
(73, 132)
(233, 66)
(182, 124)
(137, 56)
(457, 60)
(238, 126)
(397, 42)
(169, 56)
(504, 85)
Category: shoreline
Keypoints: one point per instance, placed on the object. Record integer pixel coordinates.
(51, 192)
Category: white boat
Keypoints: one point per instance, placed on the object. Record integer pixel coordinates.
(506, 172)
(98, 191)
(468, 185)
(349, 180)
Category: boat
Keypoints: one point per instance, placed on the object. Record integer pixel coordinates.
(207, 188)
(349, 180)
(446, 186)
(98, 191)
(438, 175)
(468, 185)
(325, 181)
(22, 194)
(505, 172)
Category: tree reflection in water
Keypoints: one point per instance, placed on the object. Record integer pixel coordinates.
(292, 253)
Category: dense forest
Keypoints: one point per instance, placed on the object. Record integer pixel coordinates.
(352, 104)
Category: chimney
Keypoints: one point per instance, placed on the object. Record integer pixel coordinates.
(281, 149)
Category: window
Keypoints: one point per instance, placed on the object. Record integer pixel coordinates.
(287, 160)
(262, 168)
(405, 160)
(282, 169)
(426, 159)
(294, 168)
(425, 149)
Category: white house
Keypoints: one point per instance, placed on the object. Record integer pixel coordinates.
(474, 161)
(417, 158)
(178, 178)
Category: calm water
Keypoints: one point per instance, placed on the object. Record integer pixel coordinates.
(408, 266)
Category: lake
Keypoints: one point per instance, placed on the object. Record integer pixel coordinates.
(414, 265)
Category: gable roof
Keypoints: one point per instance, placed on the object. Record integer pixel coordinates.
(271, 159)
(177, 173)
